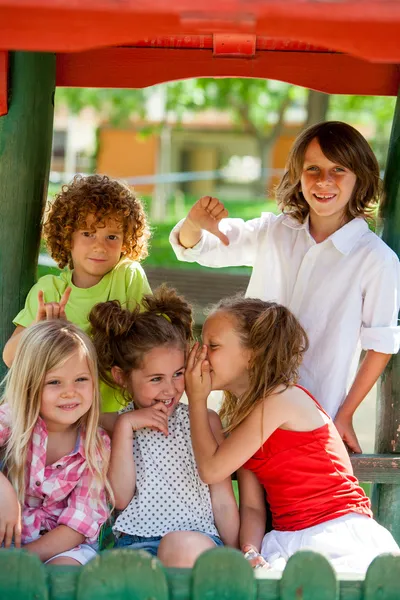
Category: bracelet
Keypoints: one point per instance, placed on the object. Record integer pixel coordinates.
(250, 554)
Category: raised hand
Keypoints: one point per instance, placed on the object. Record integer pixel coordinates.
(155, 417)
(197, 374)
(52, 310)
(206, 214)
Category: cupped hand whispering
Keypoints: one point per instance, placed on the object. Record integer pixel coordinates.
(197, 375)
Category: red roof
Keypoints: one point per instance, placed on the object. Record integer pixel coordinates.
(341, 46)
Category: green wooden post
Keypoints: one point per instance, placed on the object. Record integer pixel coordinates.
(25, 151)
(387, 496)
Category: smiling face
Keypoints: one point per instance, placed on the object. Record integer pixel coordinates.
(67, 392)
(327, 186)
(228, 358)
(159, 379)
(95, 252)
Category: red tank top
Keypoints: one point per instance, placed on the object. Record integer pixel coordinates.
(307, 477)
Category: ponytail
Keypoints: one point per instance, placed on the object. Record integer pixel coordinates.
(122, 337)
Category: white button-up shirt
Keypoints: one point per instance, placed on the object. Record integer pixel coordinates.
(344, 290)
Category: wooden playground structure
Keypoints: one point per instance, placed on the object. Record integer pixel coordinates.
(334, 46)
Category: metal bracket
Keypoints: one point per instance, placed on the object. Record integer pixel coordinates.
(234, 45)
(3, 83)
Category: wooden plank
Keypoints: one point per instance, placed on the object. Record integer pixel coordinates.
(132, 67)
(376, 468)
(223, 574)
(22, 576)
(122, 574)
(309, 576)
(364, 28)
(25, 150)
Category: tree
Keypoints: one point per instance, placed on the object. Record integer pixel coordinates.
(375, 112)
(257, 107)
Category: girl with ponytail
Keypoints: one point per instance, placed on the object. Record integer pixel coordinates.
(283, 444)
(166, 508)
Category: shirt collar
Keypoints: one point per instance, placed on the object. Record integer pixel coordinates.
(344, 239)
(41, 429)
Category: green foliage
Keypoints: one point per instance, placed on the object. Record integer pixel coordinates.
(117, 106)
(375, 111)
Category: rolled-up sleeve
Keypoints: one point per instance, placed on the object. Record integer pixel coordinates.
(211, 252)
(380, 329)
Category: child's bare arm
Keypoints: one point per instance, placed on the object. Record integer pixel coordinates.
(252, 510)
(10, 514)
(225, 509)
(107, 421)
(11, 346)
(58, 540)
(371, 368)
(206, 213)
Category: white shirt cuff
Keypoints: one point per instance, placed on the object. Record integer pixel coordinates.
(182, 253)
(381, 339)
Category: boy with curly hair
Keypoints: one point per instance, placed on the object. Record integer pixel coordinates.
(97, 228)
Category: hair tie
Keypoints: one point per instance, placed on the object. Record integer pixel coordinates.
(164, 315)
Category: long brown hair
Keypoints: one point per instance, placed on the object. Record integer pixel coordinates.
(277, 341)
(122, 337)
(345, 146)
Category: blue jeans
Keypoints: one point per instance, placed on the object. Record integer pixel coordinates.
(150, 544)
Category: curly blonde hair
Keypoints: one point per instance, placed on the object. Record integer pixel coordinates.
(104, 198)
(345, 146)
(277, 342)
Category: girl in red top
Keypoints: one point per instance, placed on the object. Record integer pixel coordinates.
(280, 440)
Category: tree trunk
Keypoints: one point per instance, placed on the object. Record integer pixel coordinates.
(317, 107)
(265, 150)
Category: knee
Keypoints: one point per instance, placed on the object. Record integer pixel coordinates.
(182, 548)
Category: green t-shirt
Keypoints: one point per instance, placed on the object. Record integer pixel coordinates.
(127, 282)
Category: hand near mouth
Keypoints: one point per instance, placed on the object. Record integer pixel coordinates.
(197, 374)
(155, 417)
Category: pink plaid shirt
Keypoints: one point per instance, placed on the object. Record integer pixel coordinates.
(64, 493)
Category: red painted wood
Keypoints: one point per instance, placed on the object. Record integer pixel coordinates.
(364, 28)
(3, 83)
(234, 45)
(141, 67)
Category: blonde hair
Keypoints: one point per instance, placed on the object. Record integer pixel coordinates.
(123, 337)
(345, 146)
(43, 347)
(277, 341)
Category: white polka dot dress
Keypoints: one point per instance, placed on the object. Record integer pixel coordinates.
(170, 495)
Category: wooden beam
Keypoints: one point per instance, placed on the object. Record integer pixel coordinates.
(365, 28)
(376, 468)
(132, 67)
(387, 497)
(25, 150)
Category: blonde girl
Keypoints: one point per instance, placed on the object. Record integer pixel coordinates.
(319, 259)
(283, 443)
(53, 486)
(166, 508)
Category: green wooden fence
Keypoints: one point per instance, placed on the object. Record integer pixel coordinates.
(219, 574)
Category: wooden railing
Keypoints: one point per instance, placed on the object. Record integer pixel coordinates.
(219, 574)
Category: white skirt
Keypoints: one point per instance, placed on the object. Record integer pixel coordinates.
(350, 543)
